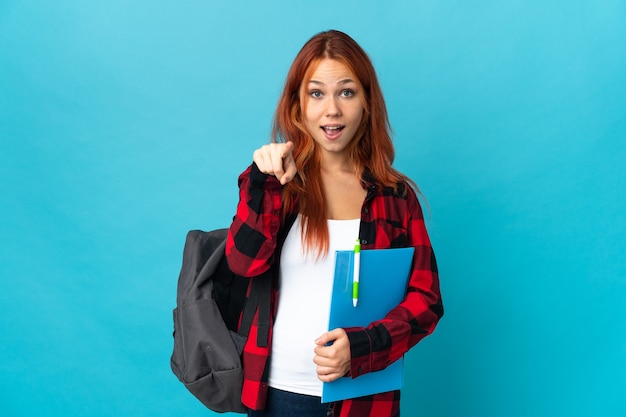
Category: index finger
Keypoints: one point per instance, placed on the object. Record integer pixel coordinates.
(287, 149)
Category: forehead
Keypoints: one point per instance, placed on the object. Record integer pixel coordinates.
(329, 71)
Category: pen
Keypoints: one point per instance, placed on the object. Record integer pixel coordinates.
(355, 276)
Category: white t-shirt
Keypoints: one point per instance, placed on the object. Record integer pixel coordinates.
(306, 286)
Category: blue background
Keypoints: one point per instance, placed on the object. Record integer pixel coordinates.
(125, 123)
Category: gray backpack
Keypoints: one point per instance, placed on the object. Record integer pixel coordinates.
(210, 301)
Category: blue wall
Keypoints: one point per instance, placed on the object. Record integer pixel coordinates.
(124, 124)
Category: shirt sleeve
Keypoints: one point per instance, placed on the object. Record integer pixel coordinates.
(383, 342)
(251, 240)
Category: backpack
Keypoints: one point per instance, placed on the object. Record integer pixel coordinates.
(210, 300)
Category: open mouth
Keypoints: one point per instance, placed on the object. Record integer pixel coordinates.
(332, 129)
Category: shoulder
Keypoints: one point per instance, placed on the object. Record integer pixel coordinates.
(402, 190)
(392, 184)
(405, 197)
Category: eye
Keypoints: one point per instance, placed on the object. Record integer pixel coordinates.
(347, 93)
(315, 93)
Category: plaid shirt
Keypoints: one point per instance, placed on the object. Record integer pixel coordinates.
(387, 221)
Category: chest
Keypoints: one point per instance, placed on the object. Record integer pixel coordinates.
(343, 196)
(384, 223)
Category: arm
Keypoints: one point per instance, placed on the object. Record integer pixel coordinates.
(251, 240)
(385, 341)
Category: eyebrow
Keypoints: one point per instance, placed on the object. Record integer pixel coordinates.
(342, 81)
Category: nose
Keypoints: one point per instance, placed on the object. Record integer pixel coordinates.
(333, 109)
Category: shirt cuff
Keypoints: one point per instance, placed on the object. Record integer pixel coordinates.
(260, 180)
(360, 351)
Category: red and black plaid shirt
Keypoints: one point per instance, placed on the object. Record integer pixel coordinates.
(388, 220)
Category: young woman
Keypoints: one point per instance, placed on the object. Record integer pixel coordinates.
(325, 180)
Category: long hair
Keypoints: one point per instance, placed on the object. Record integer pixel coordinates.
(371, 149)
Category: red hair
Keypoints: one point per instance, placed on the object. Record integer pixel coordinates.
(371, 149)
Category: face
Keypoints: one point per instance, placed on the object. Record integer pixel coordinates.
(332, 103)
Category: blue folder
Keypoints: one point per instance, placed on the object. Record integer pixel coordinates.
(382, 286)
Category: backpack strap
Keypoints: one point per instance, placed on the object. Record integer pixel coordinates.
(260, 294)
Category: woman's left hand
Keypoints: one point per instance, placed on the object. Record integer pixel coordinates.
(332, 360)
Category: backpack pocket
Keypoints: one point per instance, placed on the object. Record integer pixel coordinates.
(205, 358)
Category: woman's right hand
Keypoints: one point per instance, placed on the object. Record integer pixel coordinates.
(276, 159)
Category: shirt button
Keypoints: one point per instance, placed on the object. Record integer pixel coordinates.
(366, 210)
(364, 242)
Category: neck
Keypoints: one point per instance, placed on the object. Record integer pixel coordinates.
(330, 163)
